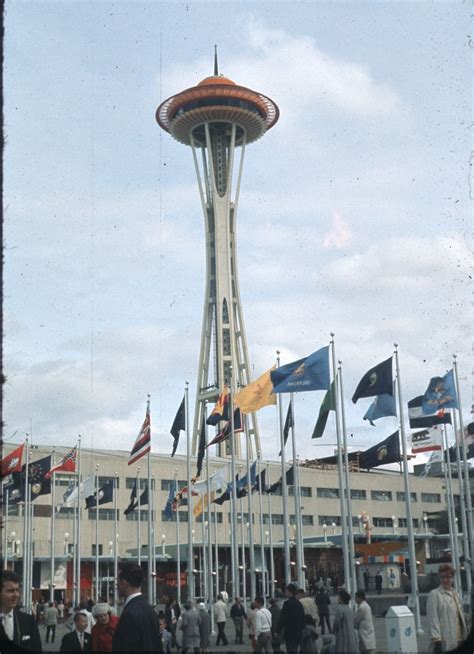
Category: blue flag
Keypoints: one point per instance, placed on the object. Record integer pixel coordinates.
(440, 394)
(170, 500)
(308, 374)
(381, 407)
(243, 482)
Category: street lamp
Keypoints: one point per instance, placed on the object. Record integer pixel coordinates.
(425, 522)
(359, 518)
(325, 529)
(394, 524)
(267, 537)
(333, 527)
(163, 541)
(66, 538)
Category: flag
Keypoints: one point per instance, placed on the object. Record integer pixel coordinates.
(436, 457)
(217, 480)
(243, 482)
(142, 444)
(260, 481)
(440, 394)
(224, 433)
(289, 475)
(328, 404)
(381, 407)
(86, 488)
(288, 424)
(106, 493)
(179, 424)
(256, 395)
(13, 461)
(67, 463)
(427, 440)
(223, 498)
(418, 419)
(308, 374)
(387, 451)
(203, 503)
(171, 499)
(16, 488)
(133, 502)
(221, 409)
(376, 381)
(201, 449)
(36, 478)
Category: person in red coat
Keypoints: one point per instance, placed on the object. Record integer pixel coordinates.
(104, 628)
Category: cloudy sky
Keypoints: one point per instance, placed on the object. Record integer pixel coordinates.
(354, 216)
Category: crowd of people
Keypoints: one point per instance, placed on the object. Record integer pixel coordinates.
(298, 624)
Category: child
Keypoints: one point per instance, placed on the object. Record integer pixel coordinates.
(165, 636)
(308, 636)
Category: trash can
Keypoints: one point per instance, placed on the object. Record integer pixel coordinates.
(400, 630)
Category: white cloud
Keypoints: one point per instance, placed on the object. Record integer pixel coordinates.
(340, 234)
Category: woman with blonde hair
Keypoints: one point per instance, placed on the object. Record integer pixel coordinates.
(445, 613)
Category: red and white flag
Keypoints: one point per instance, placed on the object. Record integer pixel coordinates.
(67, 464)
(428, 440)
(143, 443)
(13, 461)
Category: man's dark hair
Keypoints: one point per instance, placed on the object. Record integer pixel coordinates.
(260, 600)
(273, 602)
(345, 597)
(361, 594)
(9, 575)
(292, 588)
(132, 574)
(300, 591)
(80, 614)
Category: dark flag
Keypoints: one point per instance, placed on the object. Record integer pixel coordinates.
(288, 424)
(223, 498)
(40, 485)
(308, 374)
(144, 497)
(260, 481)
(106, 494)
(290, 480)
(376, 381)
(328, 404)
(201, 449)
(170, 502)
(419, 420)
(132, 505)
(179, 424)
(224, 433)
(333, 460)
(387, 451)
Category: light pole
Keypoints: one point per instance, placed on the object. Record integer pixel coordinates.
(334, 528)
(66, 539)
(359, 518)
(325, 529)
(425, 522)
(163, 545)
(394, 524)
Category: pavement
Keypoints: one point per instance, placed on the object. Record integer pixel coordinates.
(379, 623)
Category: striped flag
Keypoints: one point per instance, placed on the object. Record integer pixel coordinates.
(142, 444)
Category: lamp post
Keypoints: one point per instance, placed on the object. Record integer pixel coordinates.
(325, 529)
(359, 518)
(66, 539)
(425, 522)
(163, 545)
(334, 528)
(394, 524)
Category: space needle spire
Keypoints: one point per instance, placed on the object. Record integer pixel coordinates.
(218, 119)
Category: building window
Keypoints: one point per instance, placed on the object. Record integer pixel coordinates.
(130, 482)
(42, 510)
(305, 491)
(94, 549)
(104, 514)
(143, 515)
(358, 494)
(65, 513)
(382, 522)
(403, 522)
(183, 517)
(307, 520)
(14, 509)
(277, 519)
(106, 480)
(381, 496)
(166, 484)
(328, 493)
(329, 520)
(432, 498)
(401, 496)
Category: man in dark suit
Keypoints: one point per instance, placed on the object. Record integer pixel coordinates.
(17, 629)
(291, 621)
(138, 629)
(78, 640)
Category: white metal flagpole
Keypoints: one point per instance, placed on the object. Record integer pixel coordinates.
(26, 547)
(233, 535)
(296, 497)
(97, 584)
(270, 534)
(139, 519)
(78, 524)
(178, 544)
(284, 487)
(53, 534)
(411, 537)
(250, 531)
(190, 574)
(115, 540)
(451, 512)
(150, 508)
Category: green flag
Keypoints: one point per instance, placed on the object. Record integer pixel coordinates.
(328, 404)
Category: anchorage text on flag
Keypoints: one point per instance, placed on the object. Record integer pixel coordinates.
(308, 374)
(142, 444)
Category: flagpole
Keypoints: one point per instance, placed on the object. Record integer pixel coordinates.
(150, 508)
(216, 554)
(178, 553)
(53, 533)
(250, 512)
(342, 486)
(463, 511)
(139, 540)
(204, 554)
(190, 579)
(115, 541)
(350, 526)
(74, 547)
(5, 532)
(411, 537)
(25, 517)
(209, 523)
(270, 533)
(234, 548)
(97, 532)
(451, 512)
(78, 527)
(262, 545)
(467, 485)
(242, 555)
(284, 487)
(296, 497)
(31, 559)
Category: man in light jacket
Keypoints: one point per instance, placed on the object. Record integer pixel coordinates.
(445, 614)
(364, 624)
(220, 612)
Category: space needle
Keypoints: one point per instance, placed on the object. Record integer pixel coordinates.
(218, 118)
